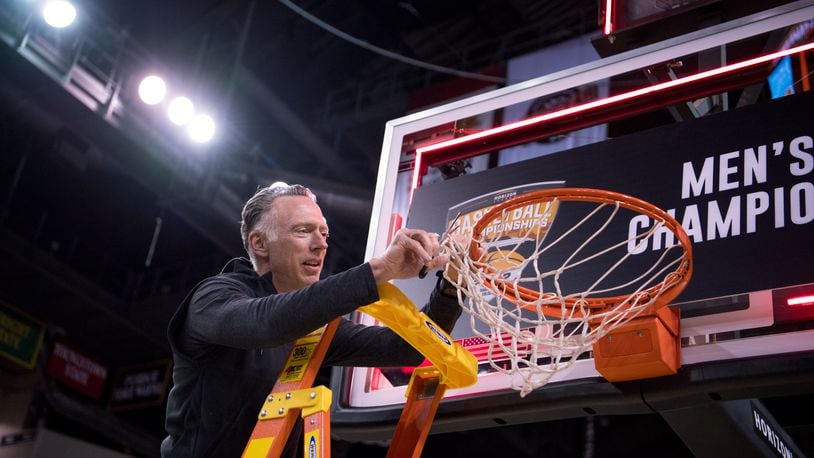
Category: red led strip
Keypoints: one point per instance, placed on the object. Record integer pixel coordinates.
(616, 99)
(608, 17)
(801, 300)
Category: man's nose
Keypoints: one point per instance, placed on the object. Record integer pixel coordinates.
(320, 241)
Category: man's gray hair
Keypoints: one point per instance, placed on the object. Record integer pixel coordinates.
(260, 204)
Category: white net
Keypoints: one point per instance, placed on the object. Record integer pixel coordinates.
(519, 292)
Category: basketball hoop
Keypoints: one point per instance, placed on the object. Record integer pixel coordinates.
(549, 293)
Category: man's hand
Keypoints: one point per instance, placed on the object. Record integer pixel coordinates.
(409, 251)
(457, 243)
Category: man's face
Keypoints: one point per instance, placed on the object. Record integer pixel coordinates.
(297, 240)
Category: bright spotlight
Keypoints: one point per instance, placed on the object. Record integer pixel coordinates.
(181, 111)
(58, 13)
(278, 184)
(152, 90)
(202, 128)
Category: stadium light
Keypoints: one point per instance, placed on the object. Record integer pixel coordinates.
(58, 13)
(152, 90)
(201, 129)
(181, 111)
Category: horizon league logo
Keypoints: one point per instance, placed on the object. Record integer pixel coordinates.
(766, 431)
(747, 169)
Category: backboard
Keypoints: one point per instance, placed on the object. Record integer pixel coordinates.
(688, 124)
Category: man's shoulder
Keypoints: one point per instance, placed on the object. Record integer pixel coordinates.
(237, 274)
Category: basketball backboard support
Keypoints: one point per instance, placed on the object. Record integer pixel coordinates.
(739, 181)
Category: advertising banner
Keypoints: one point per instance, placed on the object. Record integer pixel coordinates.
(76, 370)
(20, 336)
(140, 385)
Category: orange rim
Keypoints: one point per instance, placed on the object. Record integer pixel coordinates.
(516, 293)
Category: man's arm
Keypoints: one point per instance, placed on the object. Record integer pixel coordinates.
(443, 305)
(377, 346)
(224, 312)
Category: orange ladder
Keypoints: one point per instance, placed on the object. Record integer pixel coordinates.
(424, 394)
(292, 397)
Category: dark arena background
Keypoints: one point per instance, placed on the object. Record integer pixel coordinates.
(117, 197)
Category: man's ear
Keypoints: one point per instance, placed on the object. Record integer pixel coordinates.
(258, 245)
